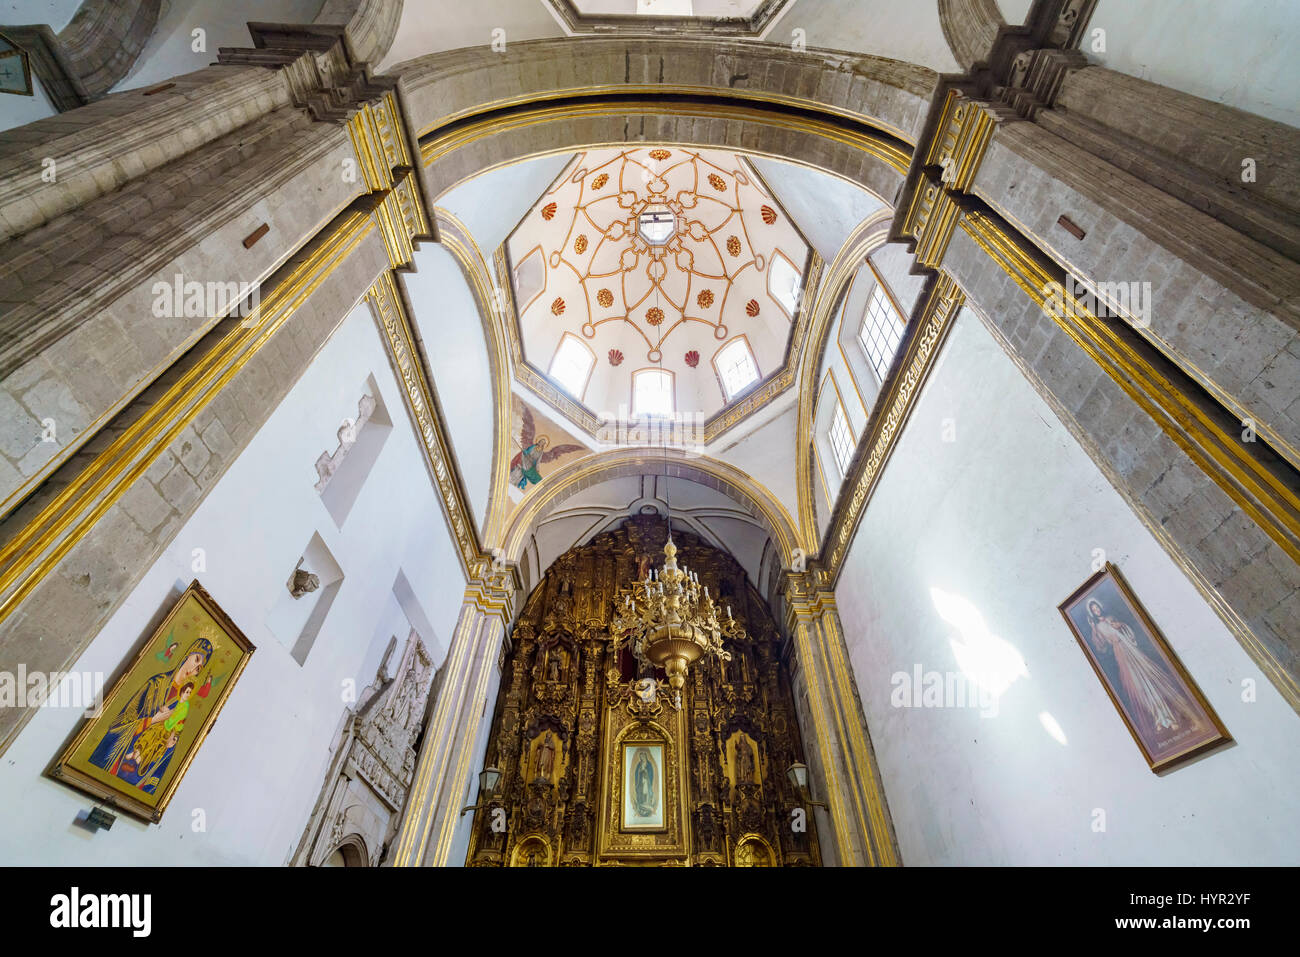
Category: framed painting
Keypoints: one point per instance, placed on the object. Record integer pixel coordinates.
(15, 69)
(643, 787)
(135, 750)
(1163, 708)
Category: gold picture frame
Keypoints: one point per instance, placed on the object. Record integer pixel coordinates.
(135, 750)
(1165, 712)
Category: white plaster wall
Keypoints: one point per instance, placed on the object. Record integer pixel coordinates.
(492, 203)
(1014, 11)
(260, 769)
(431, 26)
(20, 110)
(1237, 52)
(169, 51)
(901, 31)
(766, 452)
(56, 13)
(1006, 519)
(824, 207)
(447, 319)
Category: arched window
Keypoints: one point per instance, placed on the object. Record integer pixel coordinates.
(784, 284)
(841, 438)
(571, 365)
(652, 392)
(881, 330)
(736, 367)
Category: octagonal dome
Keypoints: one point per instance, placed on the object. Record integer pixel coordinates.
(663, 259)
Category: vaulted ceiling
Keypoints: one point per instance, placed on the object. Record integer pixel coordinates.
(657, 257)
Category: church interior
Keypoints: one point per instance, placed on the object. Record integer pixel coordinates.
(697, 433)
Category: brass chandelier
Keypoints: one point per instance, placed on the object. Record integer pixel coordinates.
(673, 622)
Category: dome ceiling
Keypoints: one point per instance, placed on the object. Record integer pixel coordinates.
(657, 258)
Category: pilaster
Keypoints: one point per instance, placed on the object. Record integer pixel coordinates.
(843, 764)
(433, 832)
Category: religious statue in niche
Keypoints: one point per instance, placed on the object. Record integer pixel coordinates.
(534, 451)
(744, 761)
(134, 751)
(546, 757)
(1165, 712)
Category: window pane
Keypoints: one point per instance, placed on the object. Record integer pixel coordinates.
(653, 393)
(841, 439)
(736, 366)
(783, 283)
(881, 331)
(570, 366)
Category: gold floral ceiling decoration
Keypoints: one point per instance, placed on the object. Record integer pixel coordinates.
(658, 257)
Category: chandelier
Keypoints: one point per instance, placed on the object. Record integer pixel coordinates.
(672, 621)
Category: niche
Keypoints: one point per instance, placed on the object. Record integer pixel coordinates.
(344, 471)
(296, 621)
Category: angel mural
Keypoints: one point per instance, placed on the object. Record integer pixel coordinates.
(534, 450)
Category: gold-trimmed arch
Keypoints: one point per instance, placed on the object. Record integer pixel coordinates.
(617, 463)
(867, 235)
(456, 237)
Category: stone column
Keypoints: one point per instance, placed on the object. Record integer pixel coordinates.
(433, 832)
(856, 828)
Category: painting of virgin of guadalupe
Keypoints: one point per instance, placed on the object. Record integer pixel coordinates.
(1165, 712)
(134, 751)
(643, 787)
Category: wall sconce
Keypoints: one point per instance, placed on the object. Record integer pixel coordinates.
(798, 776)
(489, 779)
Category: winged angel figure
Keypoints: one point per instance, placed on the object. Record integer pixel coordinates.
(535, 450)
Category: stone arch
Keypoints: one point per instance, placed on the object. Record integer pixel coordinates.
(353, 850)
(870, 233)
(371, 25)
(603, 466)
(971, 28)
(855, 116)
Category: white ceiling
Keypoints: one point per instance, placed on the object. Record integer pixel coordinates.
(887, 28)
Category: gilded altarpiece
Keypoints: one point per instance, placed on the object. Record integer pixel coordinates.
(600, 768)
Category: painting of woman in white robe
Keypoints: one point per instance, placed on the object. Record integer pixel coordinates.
(1164, 710)
(643, 787)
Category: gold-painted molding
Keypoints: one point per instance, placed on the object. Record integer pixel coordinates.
(868, 234)
(857, 804)
(455, 235)
(1270, 503)
(890, 416)
(391, 313)
(961, 139)
(1253, 488)
(931, 219)
(49, 536)
(486, 608)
